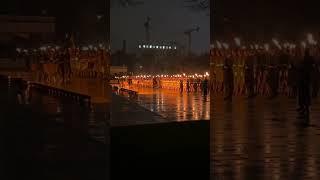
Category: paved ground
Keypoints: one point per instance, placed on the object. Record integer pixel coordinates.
(98, 90)
(143, 143)
(149, 146)
(176, 150)
(174, 106)
(126, 113)
(48, 139)
(263, 139)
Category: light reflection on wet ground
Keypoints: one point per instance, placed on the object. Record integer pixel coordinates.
(262, 139)
(175, 106)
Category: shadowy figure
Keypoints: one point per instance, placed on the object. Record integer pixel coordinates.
(229, 78)
(304, 86)
(181, 86)
(21, 92)
(188, 85)
(205, 86)
(315, 81)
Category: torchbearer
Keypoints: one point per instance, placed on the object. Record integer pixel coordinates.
(228, 78)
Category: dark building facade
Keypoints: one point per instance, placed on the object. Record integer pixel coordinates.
(88, 20)
(24, 31)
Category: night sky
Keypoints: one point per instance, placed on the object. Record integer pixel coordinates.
(169, 19)
(259, 19)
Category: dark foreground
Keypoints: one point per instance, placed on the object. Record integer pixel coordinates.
(39, 141)
(264, 139)
(52, 138)
(161, 151)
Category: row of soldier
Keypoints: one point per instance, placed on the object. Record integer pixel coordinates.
(260, 71)
(175, 84)
(52, 64)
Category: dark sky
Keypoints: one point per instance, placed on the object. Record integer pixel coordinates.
(169, 20)
(264, 18)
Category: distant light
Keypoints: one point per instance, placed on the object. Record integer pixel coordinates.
(140, 46)
(144, 46)
(99, 17)
(225, 45)
(157, 47)
(310, 38)
(219, 45)
(18, 49)
(169, 47)
(175, 47)
(237, 41)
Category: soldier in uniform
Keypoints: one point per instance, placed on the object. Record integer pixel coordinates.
(181, 85)
(274, 75)
(315, 75)
(205, 86)
(259, 72)
(304, 84)
(228, 77)
(220, 69)
(249, 75)
(235, 56)
(188, 85)
(292, 74)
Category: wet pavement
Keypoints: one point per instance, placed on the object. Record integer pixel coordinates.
(173, 105)
(67, 140)
(263, 139)
(97, 89)
(52, 138)
(174, 150)
(129, 113)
